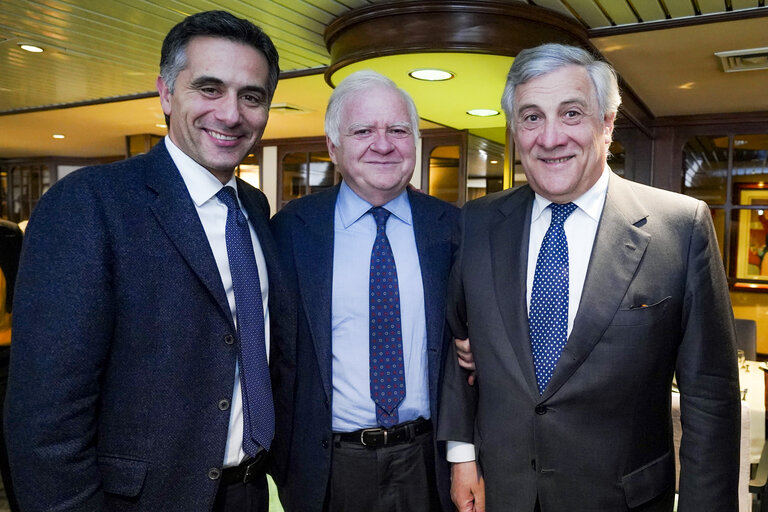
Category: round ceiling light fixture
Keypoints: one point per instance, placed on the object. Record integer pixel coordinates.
(30, 48)
(483, 112)
(431, 75)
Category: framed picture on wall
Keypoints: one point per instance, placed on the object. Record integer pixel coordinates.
(752, 251)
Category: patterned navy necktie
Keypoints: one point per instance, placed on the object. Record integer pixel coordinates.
(548, 316)
(258, 410)
(386, 339)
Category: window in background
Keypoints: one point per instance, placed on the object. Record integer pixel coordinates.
(304, 172)
(730, 173)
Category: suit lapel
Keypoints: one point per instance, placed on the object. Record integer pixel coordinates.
(618, 249)
(313, 243)
(176, 214)
(432, 237)
(433, 244)
(259, 219)
(509, 259)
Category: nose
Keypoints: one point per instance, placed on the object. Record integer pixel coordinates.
(381, 143)
(551, 134)
(228, 110)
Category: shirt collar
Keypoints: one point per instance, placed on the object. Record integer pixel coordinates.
(590, 202)
(201, 184)
(351, 206)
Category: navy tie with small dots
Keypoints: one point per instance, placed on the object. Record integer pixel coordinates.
(386, 339)
(548, 315)
(258, 410)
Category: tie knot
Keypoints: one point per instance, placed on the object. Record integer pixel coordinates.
(227, 196)
(380, 214)
(560, 212)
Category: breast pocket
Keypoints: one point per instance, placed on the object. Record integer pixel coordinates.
(642, 313)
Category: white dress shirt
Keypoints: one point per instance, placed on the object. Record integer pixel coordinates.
(580, 230)
(202, 187)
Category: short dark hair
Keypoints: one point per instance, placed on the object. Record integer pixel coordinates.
(173, 56)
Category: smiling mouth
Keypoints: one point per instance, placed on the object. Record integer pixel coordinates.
(556, 160)
(221, 136)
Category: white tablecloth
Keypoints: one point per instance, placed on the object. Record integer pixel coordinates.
(753, 381)
(752, 428)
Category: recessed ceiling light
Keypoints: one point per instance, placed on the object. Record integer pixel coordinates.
(58, 136)
(432, 75)
(30, 48)
(494, 161)
(483, 112)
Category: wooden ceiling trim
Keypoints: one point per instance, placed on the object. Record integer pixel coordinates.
(761, 12)
(488, 27)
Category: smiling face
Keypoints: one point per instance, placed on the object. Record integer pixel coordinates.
(219, 106)
(560, 133)
(376, 152)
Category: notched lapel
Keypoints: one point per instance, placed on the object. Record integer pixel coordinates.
(509, 260)
(313, 244)
(620, 244)
(176, 214)
(433, 244)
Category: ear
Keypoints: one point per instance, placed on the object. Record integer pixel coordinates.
(608, 127)
(165, 95)
(331, 149)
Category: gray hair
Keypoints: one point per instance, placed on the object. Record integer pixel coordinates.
(358, 83)
(534, 62)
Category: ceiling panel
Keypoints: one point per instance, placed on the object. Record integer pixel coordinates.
(680, 8)
(649, 10)
(590, 13)
(619, 12)
(711, 6)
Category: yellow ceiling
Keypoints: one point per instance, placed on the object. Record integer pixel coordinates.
(477, 83)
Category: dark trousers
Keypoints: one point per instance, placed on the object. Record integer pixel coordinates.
(240, 497)
(397, 478)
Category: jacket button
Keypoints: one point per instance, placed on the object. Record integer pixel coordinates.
(541, 409)
(324, 443)
(229, 339)
(214, 473)
(223, 404)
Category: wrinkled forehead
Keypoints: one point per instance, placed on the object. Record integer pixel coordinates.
(381, 106)
(564, 85)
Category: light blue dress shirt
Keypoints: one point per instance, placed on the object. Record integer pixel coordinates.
(354, 234)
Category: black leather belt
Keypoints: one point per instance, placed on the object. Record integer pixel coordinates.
(247, 471)
(377, 437)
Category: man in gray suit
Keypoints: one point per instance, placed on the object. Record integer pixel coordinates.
(582, 295)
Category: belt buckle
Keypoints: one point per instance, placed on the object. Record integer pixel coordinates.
(372, 430)
(250, 470)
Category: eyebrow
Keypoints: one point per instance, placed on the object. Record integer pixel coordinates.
(212, 80)
(574, 101)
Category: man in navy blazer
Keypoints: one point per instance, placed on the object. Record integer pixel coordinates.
(124, 393)
(333, 452)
